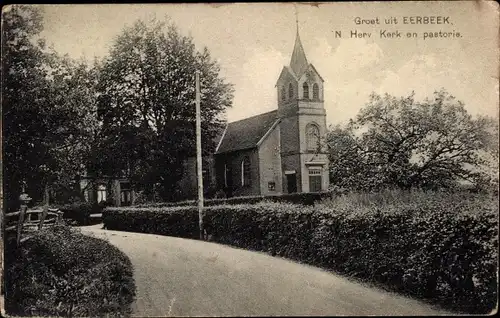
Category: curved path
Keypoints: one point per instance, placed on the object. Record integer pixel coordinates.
(180, 277)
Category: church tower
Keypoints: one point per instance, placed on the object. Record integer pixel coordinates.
(302, 115)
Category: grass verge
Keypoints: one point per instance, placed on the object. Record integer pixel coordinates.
(62, 272)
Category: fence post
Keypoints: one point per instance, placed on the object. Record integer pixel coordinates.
(24, 198)
(59, 217)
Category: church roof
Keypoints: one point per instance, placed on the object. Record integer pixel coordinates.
(298, 62)
(246, 133)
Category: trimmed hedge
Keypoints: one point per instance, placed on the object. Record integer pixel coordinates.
(61, 272)
(443, 249)
(296, 198)
(80, 212)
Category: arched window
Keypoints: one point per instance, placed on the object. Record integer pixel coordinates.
(315, 91)
(283, 93)
(305, 89)
(312, 137)
(290, 90)
(245, 172)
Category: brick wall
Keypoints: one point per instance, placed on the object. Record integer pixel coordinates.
(318, 117)
(289, 135)
(233, 162)
(270, 164)
(296, 114)
(291, 162)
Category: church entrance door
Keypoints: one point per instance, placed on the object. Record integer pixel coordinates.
(315, 183)
(291, 180)
(315, 180)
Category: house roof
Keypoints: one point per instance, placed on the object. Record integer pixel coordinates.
(246, 133)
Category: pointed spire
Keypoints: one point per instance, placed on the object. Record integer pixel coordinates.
(298, 63)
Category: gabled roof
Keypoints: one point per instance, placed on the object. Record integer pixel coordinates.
(286, 70)
(320, 77)
(246, 133)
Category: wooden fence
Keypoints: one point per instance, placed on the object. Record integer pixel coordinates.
(46, 217)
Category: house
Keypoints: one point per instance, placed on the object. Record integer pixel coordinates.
(115, 191)
(276, 152)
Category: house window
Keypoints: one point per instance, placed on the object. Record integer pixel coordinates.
(315, 180)
(312, 137)
(290, 90)
(245, 172)
(101, 193)
(283, 93)
(126, 194)
(315, 91)
(305, 88)
(125, 198)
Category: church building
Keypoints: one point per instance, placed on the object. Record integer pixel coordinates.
(281, 151)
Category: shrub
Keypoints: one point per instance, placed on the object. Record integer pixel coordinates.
(80, 212)
(179, 221)
(61, 272)
(77, 211)
(296, 198)
(437, 247)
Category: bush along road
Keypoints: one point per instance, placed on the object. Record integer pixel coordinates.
(61, 272)
(182, 277)
(441, 248)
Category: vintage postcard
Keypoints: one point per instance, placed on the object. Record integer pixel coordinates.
(250, 159)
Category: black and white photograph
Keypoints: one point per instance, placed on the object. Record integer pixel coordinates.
(250, 159)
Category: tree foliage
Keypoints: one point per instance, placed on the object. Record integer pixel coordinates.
(47, 108)
(132, 112)
(146, 104)
(404, 143)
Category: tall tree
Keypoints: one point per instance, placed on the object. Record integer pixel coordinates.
(46, 104)
(404, 143)
(70, 143)
(23, 85)
(146, 104)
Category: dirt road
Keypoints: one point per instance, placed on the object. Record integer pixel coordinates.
(180, 277)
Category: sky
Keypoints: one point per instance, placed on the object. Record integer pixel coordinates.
(252, 42)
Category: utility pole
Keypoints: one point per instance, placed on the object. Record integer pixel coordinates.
(198, 156)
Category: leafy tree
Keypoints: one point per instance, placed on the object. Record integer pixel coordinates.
(72, 143)
(146, 104)
(347, 169)
(400, 142)
(23, 86)
(46, 105)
